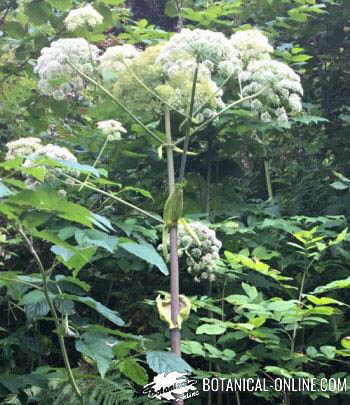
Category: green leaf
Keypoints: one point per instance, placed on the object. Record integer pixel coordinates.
(113, 2)
(122, 349)
(334, 285)
(278, 371)
(192, 347)
(92, 237)
(98, 347)
(14, 29)
(166, 362)
(38, 12)
(111, 315)
(75, 259)
(37, 172)
(50, 200)
(213, 351)
(4, 191)
(237, 299)
(211, 329)
(252, 292)
(345, 342)
(62, 5)
(323, 300)
(281, 306)
(328, 351)
(36, 310)
(34, 297)
(132, 369)
(148, 253)
(85, 169)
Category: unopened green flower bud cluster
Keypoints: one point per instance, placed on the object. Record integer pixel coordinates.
(201, 259)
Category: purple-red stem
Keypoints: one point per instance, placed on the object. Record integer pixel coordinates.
(174, 290)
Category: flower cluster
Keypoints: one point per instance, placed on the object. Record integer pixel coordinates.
(22, 148)
(50, 151)
(116, 58)
(281, 87)
(82, 17)
(251, 44)
(112, 129)
(201, 259)
(198, 45)
(57, 78)
(162, 75)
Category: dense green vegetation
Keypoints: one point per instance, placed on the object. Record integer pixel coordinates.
(91, 208)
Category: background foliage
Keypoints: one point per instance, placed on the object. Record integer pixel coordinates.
(241, 325)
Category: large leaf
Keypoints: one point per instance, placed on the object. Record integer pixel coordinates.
(111, 315)
(132, 369)
(334, 285)
(211, 329)
(166, 362)
(50, 200)
(92, 237)
(99, 347)
(75, 259)
(146, 252)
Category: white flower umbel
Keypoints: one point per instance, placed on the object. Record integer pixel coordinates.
(201, 45)
(282, 88)
(116, 58)
(57, 78)
(251, 44)
(83, 17)
(22, 148)
(112, 129)
(52, 152)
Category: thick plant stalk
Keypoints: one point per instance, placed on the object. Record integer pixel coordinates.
(174, 259)
(188, 127)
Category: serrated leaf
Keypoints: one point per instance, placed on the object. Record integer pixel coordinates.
(278, 371)
(132, 369)
(148, 253)
(334, 285)
(211, 329)
(98, 347)
(192, 347)
(111, 315)
(92, 237)
(166, 362)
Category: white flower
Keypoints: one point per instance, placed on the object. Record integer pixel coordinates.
(251, 44)
(52, 152)
(265, 117)
(116, 58)
(112, 129)
(57, 78)
(295, 103)
(81, 17)
(282, 88)
(199, 45)
(22, 148)
(281, 115)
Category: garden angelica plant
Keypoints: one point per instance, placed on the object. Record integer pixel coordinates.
(195, 77)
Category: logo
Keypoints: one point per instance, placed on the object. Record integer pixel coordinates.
(172, 386)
